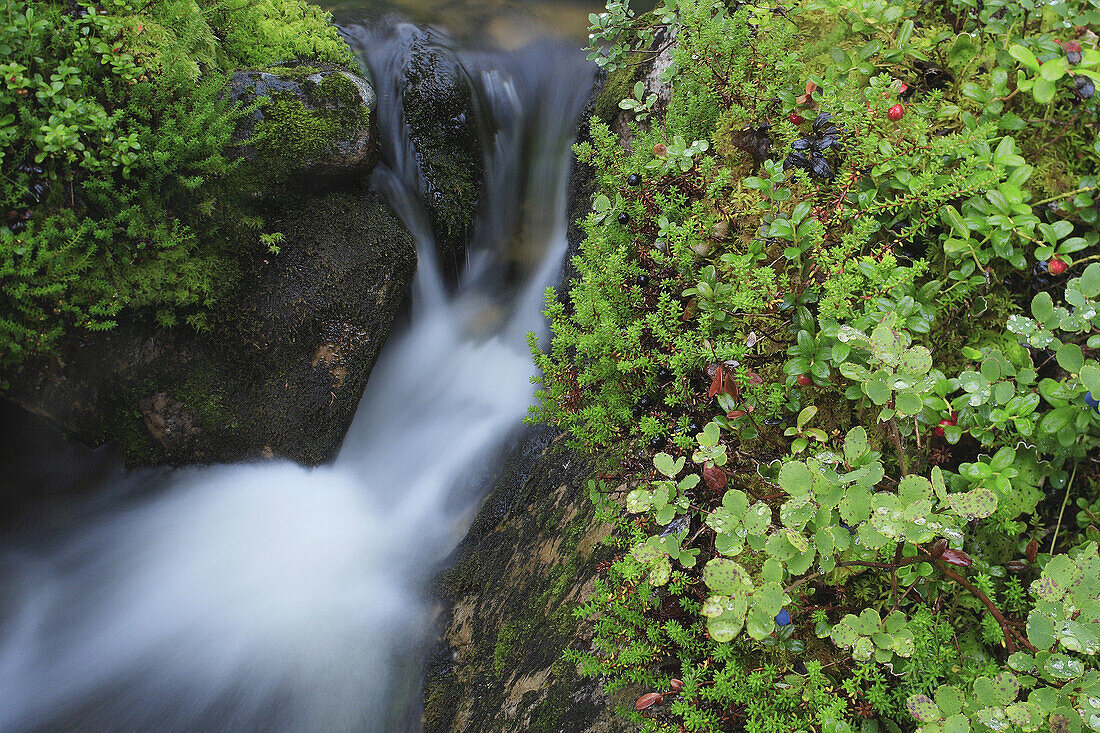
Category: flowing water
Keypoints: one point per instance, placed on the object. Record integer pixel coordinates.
(274, 597)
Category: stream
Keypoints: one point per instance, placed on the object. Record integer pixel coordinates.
(273, 597)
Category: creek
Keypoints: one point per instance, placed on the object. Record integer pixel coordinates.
(269, 596)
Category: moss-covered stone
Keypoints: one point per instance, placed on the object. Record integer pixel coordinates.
(280, 371)
(439, 112)
(529, 559)
(308, 121)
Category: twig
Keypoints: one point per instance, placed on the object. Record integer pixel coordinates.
(1008, 631)
(893, 426)
(1065, 499)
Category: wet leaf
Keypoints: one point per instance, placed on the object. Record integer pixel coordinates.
(955, 557)
(714, 477)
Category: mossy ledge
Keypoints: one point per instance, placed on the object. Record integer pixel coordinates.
(528, 560)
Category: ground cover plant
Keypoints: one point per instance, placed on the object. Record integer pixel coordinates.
(113, 137)
(838, 300)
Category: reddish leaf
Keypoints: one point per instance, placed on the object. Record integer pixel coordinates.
(755, 379)
(717, 383)
(676, 684)
(938, 548)
(956, 557)
(734, 414)
(714, 477)
(810, 89)
(1032, 551)
(648, 700)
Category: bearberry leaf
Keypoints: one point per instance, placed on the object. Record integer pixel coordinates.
(855, 444)
(923, 708)
(667, 465)
(726, 577)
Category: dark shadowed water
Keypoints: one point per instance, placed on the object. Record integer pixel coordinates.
(271, 597)
(503, 23)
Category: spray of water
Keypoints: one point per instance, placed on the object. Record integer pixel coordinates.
(274, 597)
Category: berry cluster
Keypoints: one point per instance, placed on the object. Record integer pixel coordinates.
(808, 152)
(17, 219)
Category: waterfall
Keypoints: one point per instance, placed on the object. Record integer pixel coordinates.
(279, 598)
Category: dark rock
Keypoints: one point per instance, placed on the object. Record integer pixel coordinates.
(529, 559)
(282, 367)
(439, 112)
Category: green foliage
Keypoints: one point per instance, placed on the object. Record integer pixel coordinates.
(898, 386)
(113, 132)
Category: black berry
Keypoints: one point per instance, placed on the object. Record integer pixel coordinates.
(633, 180)
(624, 218)
(1083, 87)
(656, 442)
(642, 280)
(663, 375)
(645, 401)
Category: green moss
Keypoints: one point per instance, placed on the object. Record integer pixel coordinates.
(617, 86)
(505, 645)
(291, 131)
(299, 71)
(339, 89)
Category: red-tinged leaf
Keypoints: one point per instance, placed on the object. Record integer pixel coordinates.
(956, 557)
(648, 700)
(1032, 551)
(714, 477)
(732, 387)
(805, 98)
(676, 684)
(938, 548)
(755, 379)
(734, 414)
(716, 383)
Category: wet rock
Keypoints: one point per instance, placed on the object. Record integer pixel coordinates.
(529, 559)
(442, 126)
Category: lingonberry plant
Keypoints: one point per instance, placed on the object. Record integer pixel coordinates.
(864, 356)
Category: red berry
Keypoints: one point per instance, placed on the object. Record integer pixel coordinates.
(804, 380)
(896, 112)
(903, 88)
(946, 421)
(796, 119)
(1056, 266)
(939, 431)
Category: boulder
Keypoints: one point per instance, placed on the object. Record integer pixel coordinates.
(426, 106)
(530, 558)
(441, 120)
(279, 372)
(306, 120)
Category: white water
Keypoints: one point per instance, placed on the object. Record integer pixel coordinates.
(275, 597)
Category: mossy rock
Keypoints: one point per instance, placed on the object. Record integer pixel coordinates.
(281, 369)
(527, 562)
(439, 112)
(308, 121)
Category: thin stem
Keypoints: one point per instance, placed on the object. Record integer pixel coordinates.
(1008, 631)
(1065, 499)
(892, 425)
